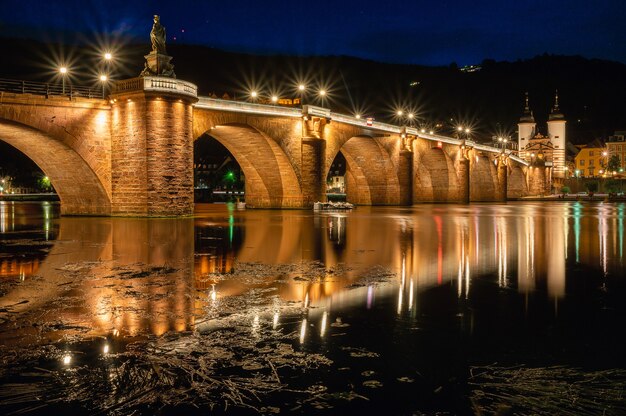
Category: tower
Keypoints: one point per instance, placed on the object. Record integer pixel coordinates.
(525, 129)
(556, 134)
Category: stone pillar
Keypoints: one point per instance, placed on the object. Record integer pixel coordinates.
(313, 150)
(503, 175)
(405, 176)
(538, 180)
(464, 176)
(152, 147)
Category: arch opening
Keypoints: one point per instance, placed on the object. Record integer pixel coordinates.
(269, 178)
(78, 187)
(434, 178)
(371, 173)
(217, 176)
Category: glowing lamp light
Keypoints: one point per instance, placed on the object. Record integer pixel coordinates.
(63, 70)
(253, 94)
(439, 145)
(274, 99)
(399, 112)
(108, 56)
(322, 92)
(67, 359)
(467, 131)
(357, 116)
(431, 132)
(604, 153)
(410, 115)
(301, 87)
(105, 349)
(460, 128)
(103, 78)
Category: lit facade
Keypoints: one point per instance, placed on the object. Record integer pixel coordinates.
(616, 145)
(590, 160)
(535, 146)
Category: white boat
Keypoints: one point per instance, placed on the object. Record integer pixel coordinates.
(332, 206)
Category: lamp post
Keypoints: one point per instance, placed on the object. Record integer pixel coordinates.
(322, 94)
(63, 72)
(301, 90)
(103, 79)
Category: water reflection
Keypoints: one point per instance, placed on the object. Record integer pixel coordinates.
(159, 275)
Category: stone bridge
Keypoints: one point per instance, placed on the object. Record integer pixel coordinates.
(132, 154)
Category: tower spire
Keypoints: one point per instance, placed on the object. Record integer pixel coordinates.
(556, 100)
(556, 114)
(527, 117)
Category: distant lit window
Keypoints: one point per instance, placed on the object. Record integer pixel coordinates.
(591, 162)
(582, 162)
(591, 153)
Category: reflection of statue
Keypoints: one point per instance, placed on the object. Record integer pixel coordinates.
(157, 36)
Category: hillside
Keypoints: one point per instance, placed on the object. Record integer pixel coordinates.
(591, 91)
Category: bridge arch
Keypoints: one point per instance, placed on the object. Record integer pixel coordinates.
(516, 182)
(371, 171)
(270, 180)
(434, 174)
(78, 186)
(483, 178)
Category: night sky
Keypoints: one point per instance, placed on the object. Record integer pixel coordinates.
(436, 32)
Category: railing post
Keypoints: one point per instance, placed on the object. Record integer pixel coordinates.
(23, 87)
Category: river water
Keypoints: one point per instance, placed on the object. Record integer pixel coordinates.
(511, 308)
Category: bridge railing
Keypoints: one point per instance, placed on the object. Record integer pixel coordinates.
(243, 107)
(156, 84)
(48, 89)
(273, 110)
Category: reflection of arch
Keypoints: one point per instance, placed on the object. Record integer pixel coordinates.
(270, 178)
(516, 183)
(435, 178)
(78, 187)
(371, 175)
(483, 178)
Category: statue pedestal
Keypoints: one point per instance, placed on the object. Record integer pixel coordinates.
(158, 64)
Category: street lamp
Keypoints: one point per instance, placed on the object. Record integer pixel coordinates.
(63, 71)
(108, 56)
(274, 99)
(253, 94)
(301, 89)
(103, 79)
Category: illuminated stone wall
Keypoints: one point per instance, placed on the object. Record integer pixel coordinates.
(69, 140)
(152, 162)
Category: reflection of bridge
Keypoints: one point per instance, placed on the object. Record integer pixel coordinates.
(435, 247)
(133, 154)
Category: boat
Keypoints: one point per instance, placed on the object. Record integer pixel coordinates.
(332, 206)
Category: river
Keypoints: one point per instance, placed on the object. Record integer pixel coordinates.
(430, 309)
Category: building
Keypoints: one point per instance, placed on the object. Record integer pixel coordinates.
(591, 159)
(616, 145)
(550, 148)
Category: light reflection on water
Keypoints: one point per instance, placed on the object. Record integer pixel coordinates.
(524, 246)
(386, 294)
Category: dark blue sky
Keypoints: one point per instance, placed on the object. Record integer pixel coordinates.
(434, 32)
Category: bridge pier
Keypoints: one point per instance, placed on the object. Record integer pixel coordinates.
(312, 151)
(538, 179)
(464, 176)
(503, 175)
(152, 147)
(405, 176)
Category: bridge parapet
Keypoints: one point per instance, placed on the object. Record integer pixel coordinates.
(157, 85)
